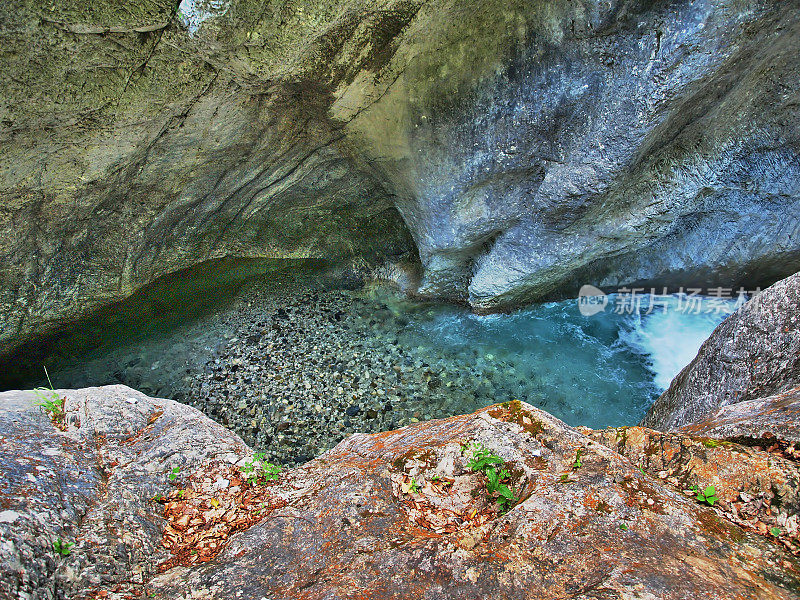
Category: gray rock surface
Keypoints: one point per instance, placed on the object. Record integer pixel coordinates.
(529, 147)
(343, 525)
(752, 355)
(535, 147)
(775, 416)
(91, 485)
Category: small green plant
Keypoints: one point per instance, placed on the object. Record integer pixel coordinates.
(623, 527)
(50, 402)
(708, 495)
(181, 494)
(577, 464)
(62, 547)
(776, 531)
(435, 478)
(641, 470)
(158, 498)
(259, 471)
(494, 486)
(173, 475)
(410, 487)
(483, 460)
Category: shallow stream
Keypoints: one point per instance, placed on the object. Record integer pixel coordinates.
(294, 364)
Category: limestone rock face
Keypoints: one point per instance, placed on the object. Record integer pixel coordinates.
(753, 358)
(91, 483)
(134, 147)
(535, 147)
(592, 517)
(529, 147)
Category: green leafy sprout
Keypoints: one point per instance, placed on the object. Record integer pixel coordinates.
(62, 547)
(482, 457)
(708, 495)
(578, 464)
(50, 402)
(258, 471)
(776, 531)
(493, 484)
(483, 460)
(173, 475)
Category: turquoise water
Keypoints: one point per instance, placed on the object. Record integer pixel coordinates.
(596, 371)
(294, 363)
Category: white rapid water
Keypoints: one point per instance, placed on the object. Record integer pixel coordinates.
(670, 338)
(598, 370)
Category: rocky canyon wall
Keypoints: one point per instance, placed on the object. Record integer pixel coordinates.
(521, 148)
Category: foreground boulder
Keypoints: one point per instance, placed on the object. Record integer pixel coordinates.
(775, 416)
(528, 147)
(753, 357)
(88, 478)
(401, 514)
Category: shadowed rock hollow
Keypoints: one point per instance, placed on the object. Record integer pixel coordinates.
(526, 147)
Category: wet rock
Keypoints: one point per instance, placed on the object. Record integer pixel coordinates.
(753, 354)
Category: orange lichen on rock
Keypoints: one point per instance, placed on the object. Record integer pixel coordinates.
(513, 412)
(756, 486)
(200, 521)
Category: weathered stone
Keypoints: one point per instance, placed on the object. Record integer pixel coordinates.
(133, 149)
(91, 485)
(529, 147)
(536, 147)
(731, 468)
(753, 354)
(775, 416)
(351, 523)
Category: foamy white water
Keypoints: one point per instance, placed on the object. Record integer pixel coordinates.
(670, 337)
(598, 370)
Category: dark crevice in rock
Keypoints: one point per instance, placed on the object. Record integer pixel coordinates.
(168, 302)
